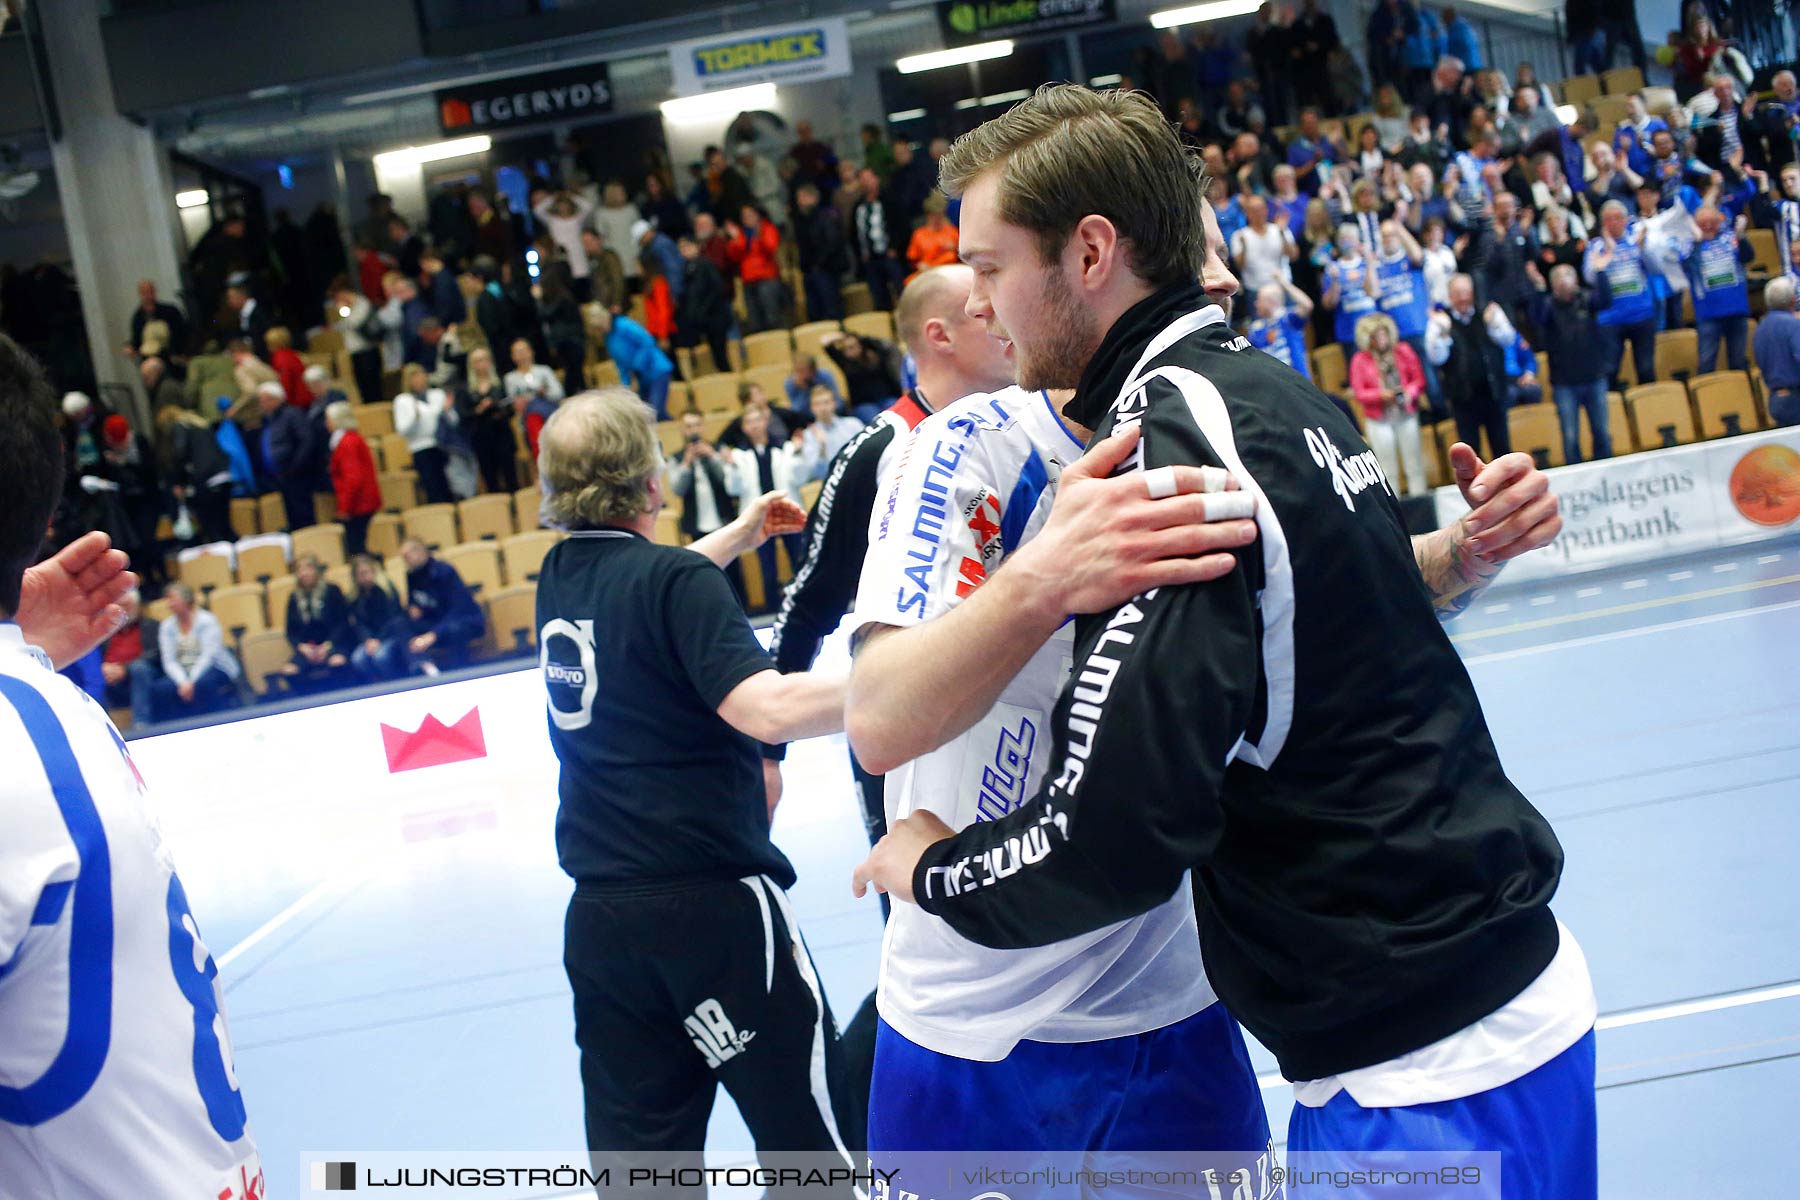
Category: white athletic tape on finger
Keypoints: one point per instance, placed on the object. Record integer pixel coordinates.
(1230, 506)
(1161, 482)
(1214, 479)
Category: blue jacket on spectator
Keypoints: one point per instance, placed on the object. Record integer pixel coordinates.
(1461, 40)
(231, 441)
(287, 442)
(1424, 41)
(635, 352)
(446, 606)
(668, 258)
(1715, 271)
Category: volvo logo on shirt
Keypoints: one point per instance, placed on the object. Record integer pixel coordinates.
(570, 686)
(1350, 477)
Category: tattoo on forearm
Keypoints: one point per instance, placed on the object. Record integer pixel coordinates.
(1453, 573)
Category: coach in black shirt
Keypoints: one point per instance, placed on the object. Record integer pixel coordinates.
(680, 945)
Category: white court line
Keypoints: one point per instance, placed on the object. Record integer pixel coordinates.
(1763, 560)
(1497, 608)
(1597, 638)
(1540, 601)
(267, 928)
(1678, 576)
(1645, 1016)
(1633, 584)
(1588, 593)
(1722, 568)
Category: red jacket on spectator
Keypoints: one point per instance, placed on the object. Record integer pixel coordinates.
(755, 258)
(290, 368)
(353, 476)
(717, 251)
(371, 266)
(659, 309)
(1365, 380)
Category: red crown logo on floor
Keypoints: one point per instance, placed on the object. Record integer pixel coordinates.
(433, 744)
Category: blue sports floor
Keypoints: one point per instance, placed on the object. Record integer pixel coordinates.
(392, 958)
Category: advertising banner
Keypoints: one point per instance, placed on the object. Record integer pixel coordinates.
(571, 92)
(779, 54)
(966, 22)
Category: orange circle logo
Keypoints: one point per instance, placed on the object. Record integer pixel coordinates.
(1765, 486)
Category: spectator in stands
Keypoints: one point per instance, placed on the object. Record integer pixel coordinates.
(287, 453)
(1469, 348)
(128, 467)
(1461, 41)
(1616, 267)
(1385, 37)
(353, 476)
(1612, 180)
(199, 473)
(754, 243)
(1369, 157)
(400, 319)
(564, 214)
(1270, 45)
(1389, 119)
(1719, 135)
(1252, 167)
(1312, 153)
(882, 232)
(1521, 374)
(1569, 334)
(1387, 380)
(911, 181)
(486, 412)
(1239, 114)
(642, 364)
(1439, 264)
(1346, 286)
(1632, 139)
(349, 313)
(1558, 244)
(1696, 51)
(1778, 351)
(1401, 294)
(606, 276)
(418, 413)
(563, 325)
(1509, 247)
(160, 388)
(1262, 250)
(829, 432)
(130, 661)
(765, 464)
(705, 314)
(752, 398)
(1287, 206)
(803, 379)
(933, 243)
(318, 629)
(1531, 118)
(249, 318)
(816, 161)
(768, 192)
(1279, 327)
(1448, 103)
(158, 328)
(1419, 54)
(867, 365)
(493, 232)
(706, 481)
(654, 245)
(824, 254)
(378, 624)
(1715, 271)
(444, 620)
(199, 673)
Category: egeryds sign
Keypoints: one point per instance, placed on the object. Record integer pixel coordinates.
(967, 21)
(789, 54)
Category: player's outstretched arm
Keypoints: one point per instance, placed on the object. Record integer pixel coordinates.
(772, 707)
(69, 603)
(912, 690)
(761, 519)
(1513, 513)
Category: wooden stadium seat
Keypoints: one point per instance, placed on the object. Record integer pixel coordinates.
(716, 393)
(606, 374)
(512, 615)
(339, 575)
(1581, 89)
(871, 324)
(395, 566)
(1677, 354)
(1768, 258)
(239, 609)
(523, 554)
(808, 336)
(204, 572)
(1722, 394)
(525, 508)
(384, 534)
(809, 493)
(1611, 110)
(261, 563)
(772, 380)
(1534, 427)
(375, 421)
(680, 396)
(399, 490)
(325, 508)
(433, 524)
(324, 541)
(1621, 80)
(245, 519)
(714, 426)
(1658, 406)
(667, 432)
(1618, 429)
(858, 298)
(263, 653)
(479, 565)
(774, 348)
(668, 528)
(271, 513)
(1330, 372)
(1543, 372)
(1437, 462)
(328, 342)
(157, 610)
(486, 518)
(275, 599)
(395, 456)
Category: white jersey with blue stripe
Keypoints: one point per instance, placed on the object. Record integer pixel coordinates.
(115, 1063)
(975, 482)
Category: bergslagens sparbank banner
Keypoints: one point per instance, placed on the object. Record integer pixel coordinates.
(781, 54)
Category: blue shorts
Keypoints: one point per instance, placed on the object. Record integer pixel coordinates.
(1542, 1126)
(1186, 1087)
